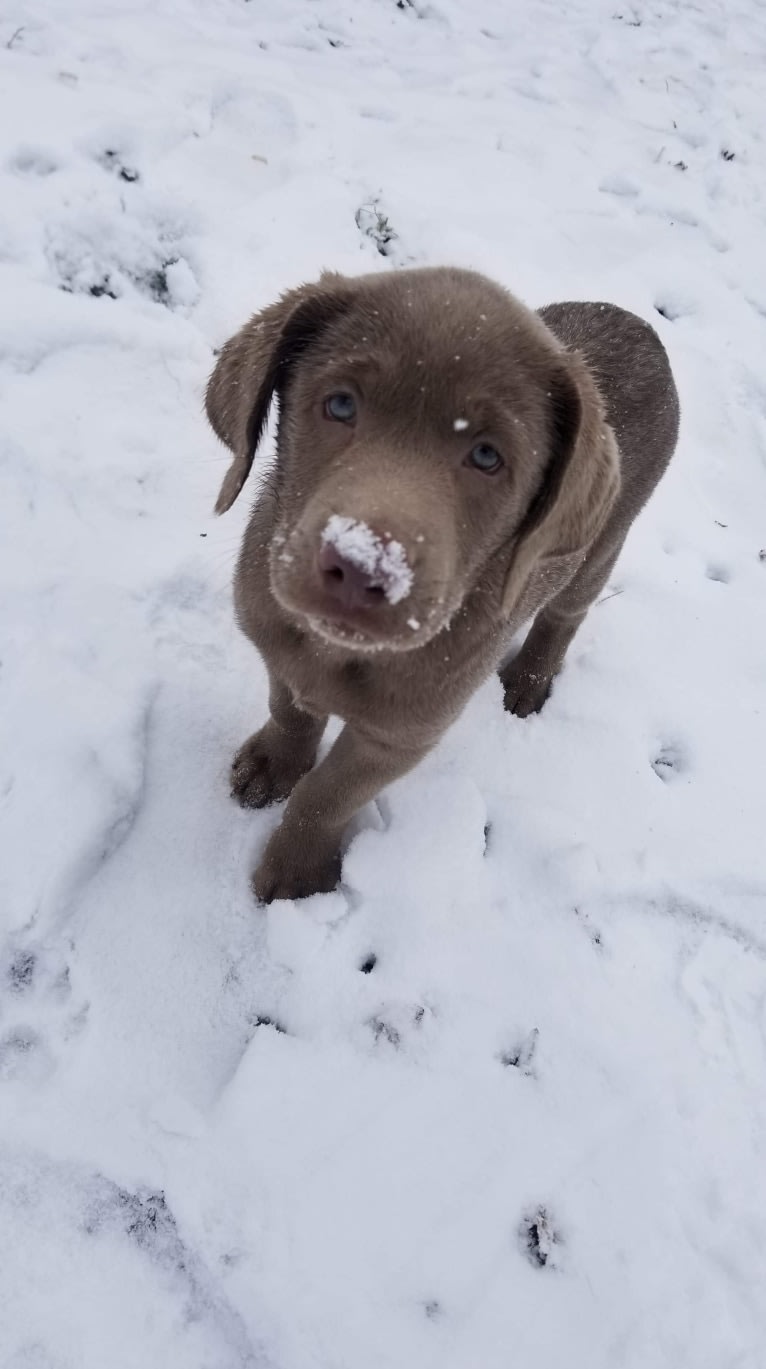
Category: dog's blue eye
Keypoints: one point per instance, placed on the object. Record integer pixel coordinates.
(485, 458)
(341, 407)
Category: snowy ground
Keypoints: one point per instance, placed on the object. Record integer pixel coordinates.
(479, 1108)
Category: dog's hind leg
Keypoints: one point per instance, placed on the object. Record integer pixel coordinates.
(528, 677)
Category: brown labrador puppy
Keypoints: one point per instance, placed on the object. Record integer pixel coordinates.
(448, 464)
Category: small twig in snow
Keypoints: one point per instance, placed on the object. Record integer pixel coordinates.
(14, 36)
(607, 597)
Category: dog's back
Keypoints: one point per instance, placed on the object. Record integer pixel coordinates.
(632, 371)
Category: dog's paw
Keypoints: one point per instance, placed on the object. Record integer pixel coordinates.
(267, 768)
(525, 690)
(291, 870)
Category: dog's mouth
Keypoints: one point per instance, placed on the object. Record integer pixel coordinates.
(340, 632)
(357, 633)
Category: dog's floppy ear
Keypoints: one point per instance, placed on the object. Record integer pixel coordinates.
(580, 483)
(252, 365)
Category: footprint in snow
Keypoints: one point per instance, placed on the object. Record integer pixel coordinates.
(33, 161)
(123, 260)
(521, 1056)
(592, 932)
(539, 1238)
(375, 225)
(669, 762)
(38, 1012)
(397, 1026)
(112, 161)
(673, 306)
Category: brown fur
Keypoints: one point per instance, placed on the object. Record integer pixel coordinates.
(578, 399)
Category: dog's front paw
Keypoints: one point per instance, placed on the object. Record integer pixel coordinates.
(295, 869)
(525, 690)
(267, 768)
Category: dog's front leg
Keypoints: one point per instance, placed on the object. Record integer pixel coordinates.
(303, 855)
(266, 769)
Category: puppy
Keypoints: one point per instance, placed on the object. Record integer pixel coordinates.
(448, 465)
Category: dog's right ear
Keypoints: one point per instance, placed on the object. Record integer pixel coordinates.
(251, 365)
(580, 482)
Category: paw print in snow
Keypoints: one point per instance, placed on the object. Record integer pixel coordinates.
(539, 1238)
(33, 161)
(375, 225)
(112, 161)
(24, 1056)
(37, 1012)
(673, 305)
(118, 258)
(399, 1025)
(670, 762)
(521, 1057)
(593, 932)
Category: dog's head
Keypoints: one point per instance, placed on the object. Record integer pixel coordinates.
(434, 437)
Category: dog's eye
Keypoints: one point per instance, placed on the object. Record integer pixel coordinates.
(341, 407)
(484, 458)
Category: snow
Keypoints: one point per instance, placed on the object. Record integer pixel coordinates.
(386, 561)
(499, 1099)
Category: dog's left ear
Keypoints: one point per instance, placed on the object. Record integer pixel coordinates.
(252, 366)
(580, 483)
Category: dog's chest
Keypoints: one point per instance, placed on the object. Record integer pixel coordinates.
(395, 696)
(352, 689)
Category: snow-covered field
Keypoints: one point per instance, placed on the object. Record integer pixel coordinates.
(495, 1103)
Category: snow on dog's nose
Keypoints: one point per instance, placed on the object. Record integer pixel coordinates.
(359, 567)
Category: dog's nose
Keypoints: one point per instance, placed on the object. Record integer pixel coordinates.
(349, 584)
